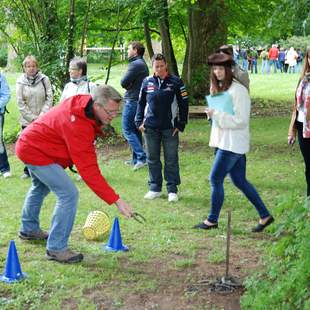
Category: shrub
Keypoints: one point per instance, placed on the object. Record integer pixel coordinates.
(3, 57)
(285, 283)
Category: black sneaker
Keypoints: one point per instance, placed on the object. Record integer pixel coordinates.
(34, 235)
(67, 256)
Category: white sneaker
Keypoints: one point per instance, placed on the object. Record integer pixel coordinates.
(173, 197)
(7, 174)
(152, 195)
(139, 165)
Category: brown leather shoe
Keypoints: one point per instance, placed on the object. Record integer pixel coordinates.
(67, 256)
(33, 235)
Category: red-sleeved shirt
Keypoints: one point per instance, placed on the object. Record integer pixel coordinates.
(273, 53)
(65, 136)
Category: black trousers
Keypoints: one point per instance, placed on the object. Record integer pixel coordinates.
(304, 144)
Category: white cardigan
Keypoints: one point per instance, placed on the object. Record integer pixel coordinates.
(231, 132)
(72, 89)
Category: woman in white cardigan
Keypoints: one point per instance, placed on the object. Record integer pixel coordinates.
(33, 94)
(79, 83)
(229, 110)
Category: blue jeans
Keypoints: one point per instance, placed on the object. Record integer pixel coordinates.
(45, 179)
(264, 65)
(226, 162)
(154, 139)
(4, 163)
(254, 66)
(131, 133)
(245, 64)
(274, 63)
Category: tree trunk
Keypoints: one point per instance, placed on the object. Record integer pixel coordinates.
(85, 28)
(185, 65)
(163, 22)
(207, 31)
(148, 39)
(70, 37)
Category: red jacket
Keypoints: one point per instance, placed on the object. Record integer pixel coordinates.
(65, 136)
(273, 53)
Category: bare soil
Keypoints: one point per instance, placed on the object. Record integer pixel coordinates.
(185, 288)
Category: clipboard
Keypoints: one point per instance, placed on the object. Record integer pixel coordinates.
(221, 102)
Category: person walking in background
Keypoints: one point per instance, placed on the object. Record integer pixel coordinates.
(281, 60)
(254, 56)
(299, 60)
(79, 83)
(264, 57)
(273, 55)
(291, 60)
(131, 81)
(300, 120)
(244, 58)
(33, 94)
(162, 112)
(239, 74)
(4, 99)
(230, 137)
(60, 138)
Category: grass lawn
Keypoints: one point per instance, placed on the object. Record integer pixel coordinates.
(166, 257)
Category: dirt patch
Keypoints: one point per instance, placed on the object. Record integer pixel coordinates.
(178, 288)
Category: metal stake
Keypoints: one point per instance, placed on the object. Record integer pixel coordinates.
(228, 242)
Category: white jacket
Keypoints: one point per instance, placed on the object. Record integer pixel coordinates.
(72, 89)
(33, 99)
(231, 132)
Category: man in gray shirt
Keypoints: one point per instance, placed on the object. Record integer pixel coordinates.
(131, 81)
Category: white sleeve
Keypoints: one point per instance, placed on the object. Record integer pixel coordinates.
(241, 106)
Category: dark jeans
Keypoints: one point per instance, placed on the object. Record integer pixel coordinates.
(4, 163)
(226, 162)
(304, 144)
(154, 139)
(131, 133)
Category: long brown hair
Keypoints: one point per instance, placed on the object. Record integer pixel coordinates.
(220, 86)
(306, 66)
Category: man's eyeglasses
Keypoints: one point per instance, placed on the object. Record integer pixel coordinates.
(110, 113)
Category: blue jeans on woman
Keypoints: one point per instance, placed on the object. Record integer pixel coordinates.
(131, 133)
(227, 162)
(45, 179)
(4, 163)
(154, 138)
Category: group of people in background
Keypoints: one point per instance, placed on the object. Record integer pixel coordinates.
(156, 108)
(281, 59)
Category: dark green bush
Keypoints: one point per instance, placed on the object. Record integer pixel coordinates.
(286, 281)
(3, 57)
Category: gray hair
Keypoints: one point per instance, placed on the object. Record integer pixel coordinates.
(103, 93)
(80, 63)
(30, 58)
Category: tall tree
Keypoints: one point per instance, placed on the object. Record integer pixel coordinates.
(167, 47)
(207, 31)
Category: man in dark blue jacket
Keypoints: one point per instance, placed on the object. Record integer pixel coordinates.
(162, 112)
(131, 81)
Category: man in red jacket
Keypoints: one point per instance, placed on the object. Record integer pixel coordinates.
(63, 137)
(273, 55)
